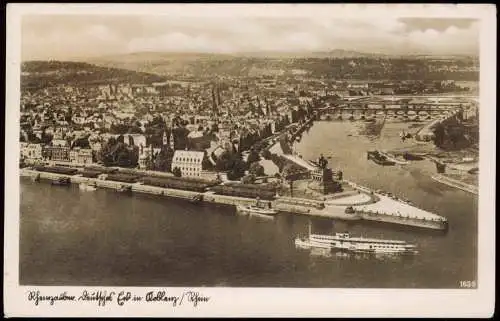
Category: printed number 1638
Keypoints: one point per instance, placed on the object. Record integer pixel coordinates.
(467, 284)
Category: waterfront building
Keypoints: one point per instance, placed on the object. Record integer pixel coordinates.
(31, 151)
(95, 146)
(58, 153)
(189, 162)
(72, 155)
(144, 158)
(81, 156)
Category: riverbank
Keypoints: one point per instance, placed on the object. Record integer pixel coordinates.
(326, 209)
(456, 184)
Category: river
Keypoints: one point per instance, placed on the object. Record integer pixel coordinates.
(101, 238)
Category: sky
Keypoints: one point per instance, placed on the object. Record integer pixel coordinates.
(66, 36)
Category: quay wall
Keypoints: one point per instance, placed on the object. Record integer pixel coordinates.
(294, 206)
(455, 183)
(231, 200)
(410, 221)
(290, 208)
(147, 189)
(155, 190)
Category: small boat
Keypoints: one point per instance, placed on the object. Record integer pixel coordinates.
(410, 156)
(474, 170)
(62, 181)
(197, 199)
(36, 178)
(87, 187)
(391, 158)
(124, 189)
(256, 210)
(379, 159)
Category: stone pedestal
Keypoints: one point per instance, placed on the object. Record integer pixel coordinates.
(322, 181)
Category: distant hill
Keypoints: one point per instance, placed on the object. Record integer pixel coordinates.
(192, 56)
(148, 67)
(338, 64)
(200, 64)
(39, 74)
(337, 53)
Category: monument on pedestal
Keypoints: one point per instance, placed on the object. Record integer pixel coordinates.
(323, 180)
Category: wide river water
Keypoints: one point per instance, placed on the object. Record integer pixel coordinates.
(101, 238)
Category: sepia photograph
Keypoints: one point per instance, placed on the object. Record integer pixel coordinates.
(235, 148)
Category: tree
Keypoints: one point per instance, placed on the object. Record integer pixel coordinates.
(163, 160)
(222, 162)
(285, 145)
(291, 171)
(177, 172)
(248, 179)
(123, 157)
(439, 135)
(180, 137)
(253, 156)
(81, 142)
(236, 166)
(266, 154)
(69, 115)
(115, 153)
(256, 169)
(46, 138)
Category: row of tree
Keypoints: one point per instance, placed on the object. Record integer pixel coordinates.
(116, 153)
(450, 136)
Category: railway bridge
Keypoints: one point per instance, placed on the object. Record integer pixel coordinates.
(347, 109)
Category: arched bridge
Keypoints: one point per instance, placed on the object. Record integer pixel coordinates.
(429, 108)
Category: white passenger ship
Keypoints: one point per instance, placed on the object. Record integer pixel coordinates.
(345, 242)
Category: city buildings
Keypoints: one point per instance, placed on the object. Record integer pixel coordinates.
(188, 162)
(31, 151)
(208, 115)
(81, 156)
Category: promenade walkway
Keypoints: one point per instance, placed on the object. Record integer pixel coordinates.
(393, 207)
(300, 161)
(352, 200)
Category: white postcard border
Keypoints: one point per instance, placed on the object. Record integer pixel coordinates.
(261, 301)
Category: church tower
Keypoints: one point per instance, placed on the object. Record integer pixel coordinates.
(165, 138)
(171, 139)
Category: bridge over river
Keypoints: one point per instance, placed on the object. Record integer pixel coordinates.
(399, 105)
